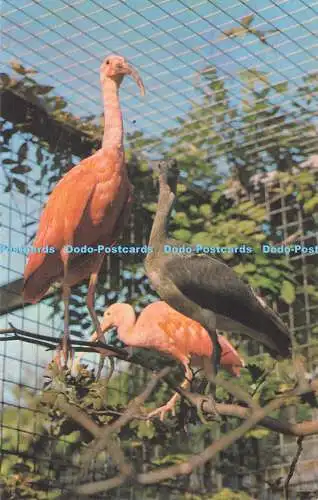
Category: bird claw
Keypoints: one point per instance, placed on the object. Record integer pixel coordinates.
(215, 416)
(65, 348)
(162, 410)
(130, 351)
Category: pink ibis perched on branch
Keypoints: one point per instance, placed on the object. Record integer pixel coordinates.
(205, 288)
(162, 328)
(90, 206)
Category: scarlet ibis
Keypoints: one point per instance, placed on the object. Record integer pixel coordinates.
(162, 328)
(205, 288)
(89, 206)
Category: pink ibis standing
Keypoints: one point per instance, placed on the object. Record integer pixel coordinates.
(89, 206)
(162, 328)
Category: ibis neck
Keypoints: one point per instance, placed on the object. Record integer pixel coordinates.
(125, 328)
(159, 231)
(113, 120)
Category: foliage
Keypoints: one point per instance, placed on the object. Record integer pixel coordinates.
(103, 403)
(256, 136)
(25, 436)
(227, 494)
(246, 28)
(41, 96)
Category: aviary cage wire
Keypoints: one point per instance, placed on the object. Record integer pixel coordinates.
(172, 43)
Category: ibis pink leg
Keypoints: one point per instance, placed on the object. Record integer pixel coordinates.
(171, 404)
(91, 308)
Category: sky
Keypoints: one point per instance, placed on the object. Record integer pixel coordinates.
(169, 42)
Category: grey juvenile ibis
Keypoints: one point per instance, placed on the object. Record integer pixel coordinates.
(205, 288)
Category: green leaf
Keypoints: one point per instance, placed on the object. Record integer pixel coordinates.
(39, 154)
(305, 178)
(182, 234)
(202, 238)
(18, 68)
(235, 32)
(242, 268)
(227, 494)
(281, 87)
(22, 187)
(177, 458)
(59, 103)
(205, 210)
(21, 169)
(257, 433)
(43, 89)
(146, 430)
(253, 75)
(247, 20)
(8, 161)
(288, 293)
(4, 80)
(310, 204)
(22, 153)
(216, 195)
(312, 291)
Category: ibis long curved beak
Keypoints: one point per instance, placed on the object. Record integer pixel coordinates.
(135, 75)
(106, 323)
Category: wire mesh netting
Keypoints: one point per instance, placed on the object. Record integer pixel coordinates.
(231, 92)
(171, 43)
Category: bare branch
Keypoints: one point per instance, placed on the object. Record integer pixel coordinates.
(99, 486)
(207, 405)
(253, 415)
(290, 239)
(52, 342)
(126, 417)
(306, 428)
(156, 476)
(236, 391)
(259, 416)
(87, 423)
(293, 466)
(73, 412)
(162, 474)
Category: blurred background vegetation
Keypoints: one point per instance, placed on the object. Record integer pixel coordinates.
(242, 182)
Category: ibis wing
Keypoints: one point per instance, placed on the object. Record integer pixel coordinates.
(216, 287)
(85, 203)
(62, 213)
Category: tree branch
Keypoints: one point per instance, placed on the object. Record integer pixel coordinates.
(100, 486)
(253, 417)
(236, 391)
(200, 459)
(139, 357)
(307, 428)
(187, 467)
(293, 466)
(52, 342)
(87, 423)
(126, 417)
(72, 411)
(156, 476)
